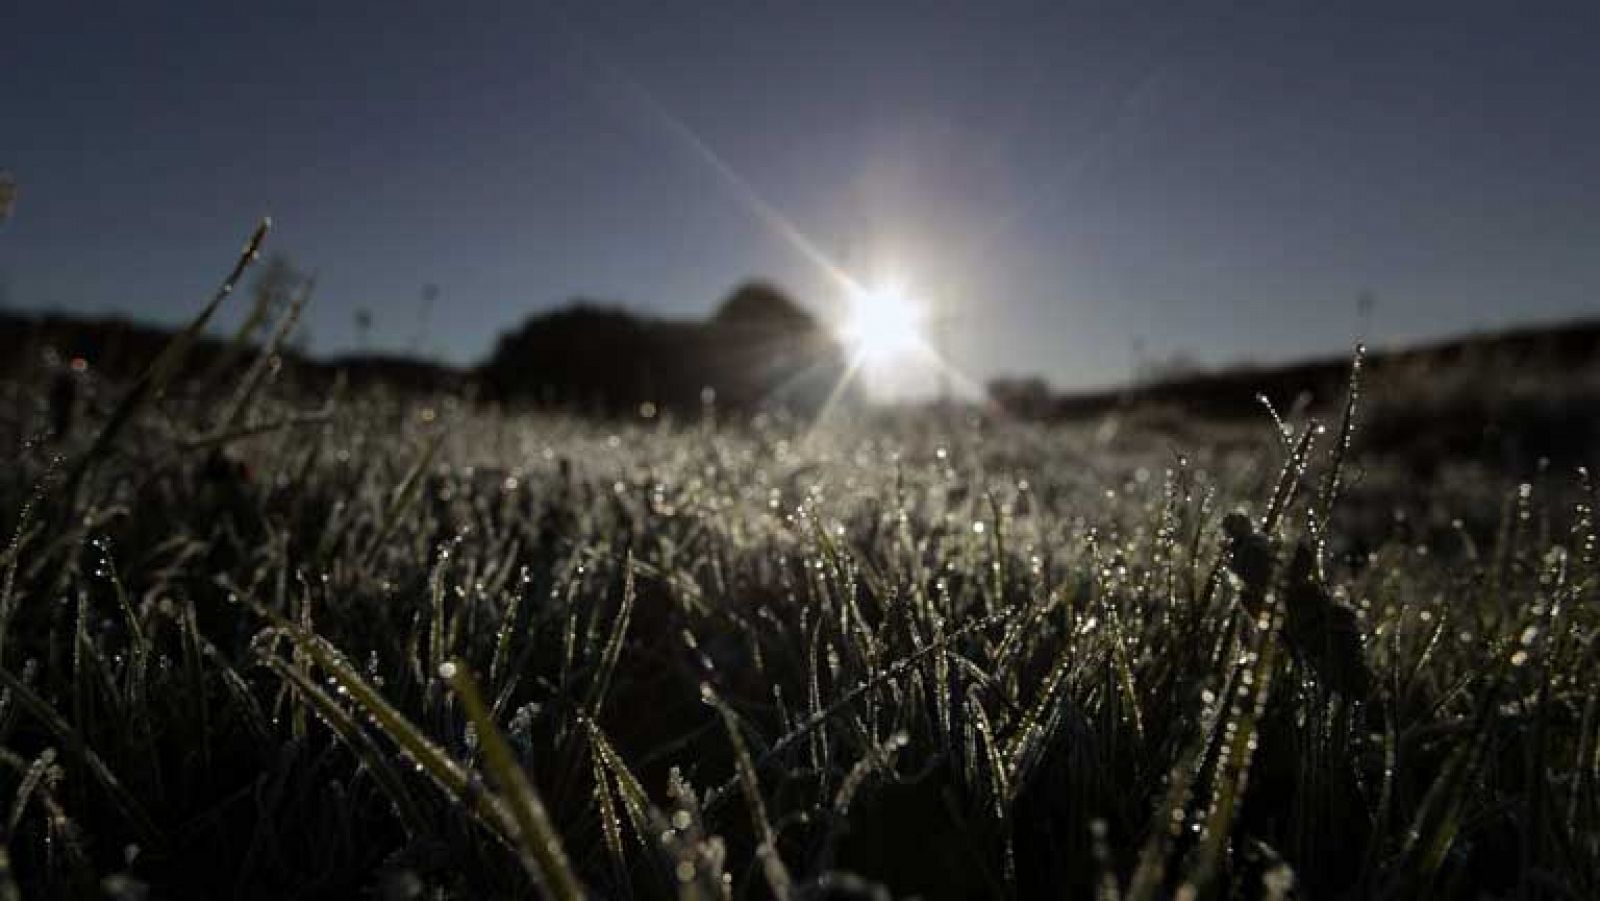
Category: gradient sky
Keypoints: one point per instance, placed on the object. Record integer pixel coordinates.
(1065, 179)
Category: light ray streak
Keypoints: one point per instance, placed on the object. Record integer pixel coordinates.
(637, 96)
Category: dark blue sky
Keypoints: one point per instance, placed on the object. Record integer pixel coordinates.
(1220, 179)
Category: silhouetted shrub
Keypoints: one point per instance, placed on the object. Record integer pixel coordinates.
(760, 349)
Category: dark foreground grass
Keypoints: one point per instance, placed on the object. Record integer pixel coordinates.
(406, 650)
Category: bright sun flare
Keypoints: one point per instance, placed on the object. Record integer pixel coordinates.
(883, 324)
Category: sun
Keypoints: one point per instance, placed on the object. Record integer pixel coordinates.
(883, 324)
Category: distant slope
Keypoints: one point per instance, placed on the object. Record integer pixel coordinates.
(119, 348)
(759, 349)
(1513, 401)
(1557, 351)
(1510, 399)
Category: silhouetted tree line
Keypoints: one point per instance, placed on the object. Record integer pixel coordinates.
(759, 349)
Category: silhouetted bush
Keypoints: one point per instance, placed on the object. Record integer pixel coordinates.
(760, 349)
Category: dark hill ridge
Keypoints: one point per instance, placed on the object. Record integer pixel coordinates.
(759, 349)
(1553, 351)
(118, 348)
(1517, 395)
(1511, 402)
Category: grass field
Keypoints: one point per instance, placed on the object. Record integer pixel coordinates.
(264, 644)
